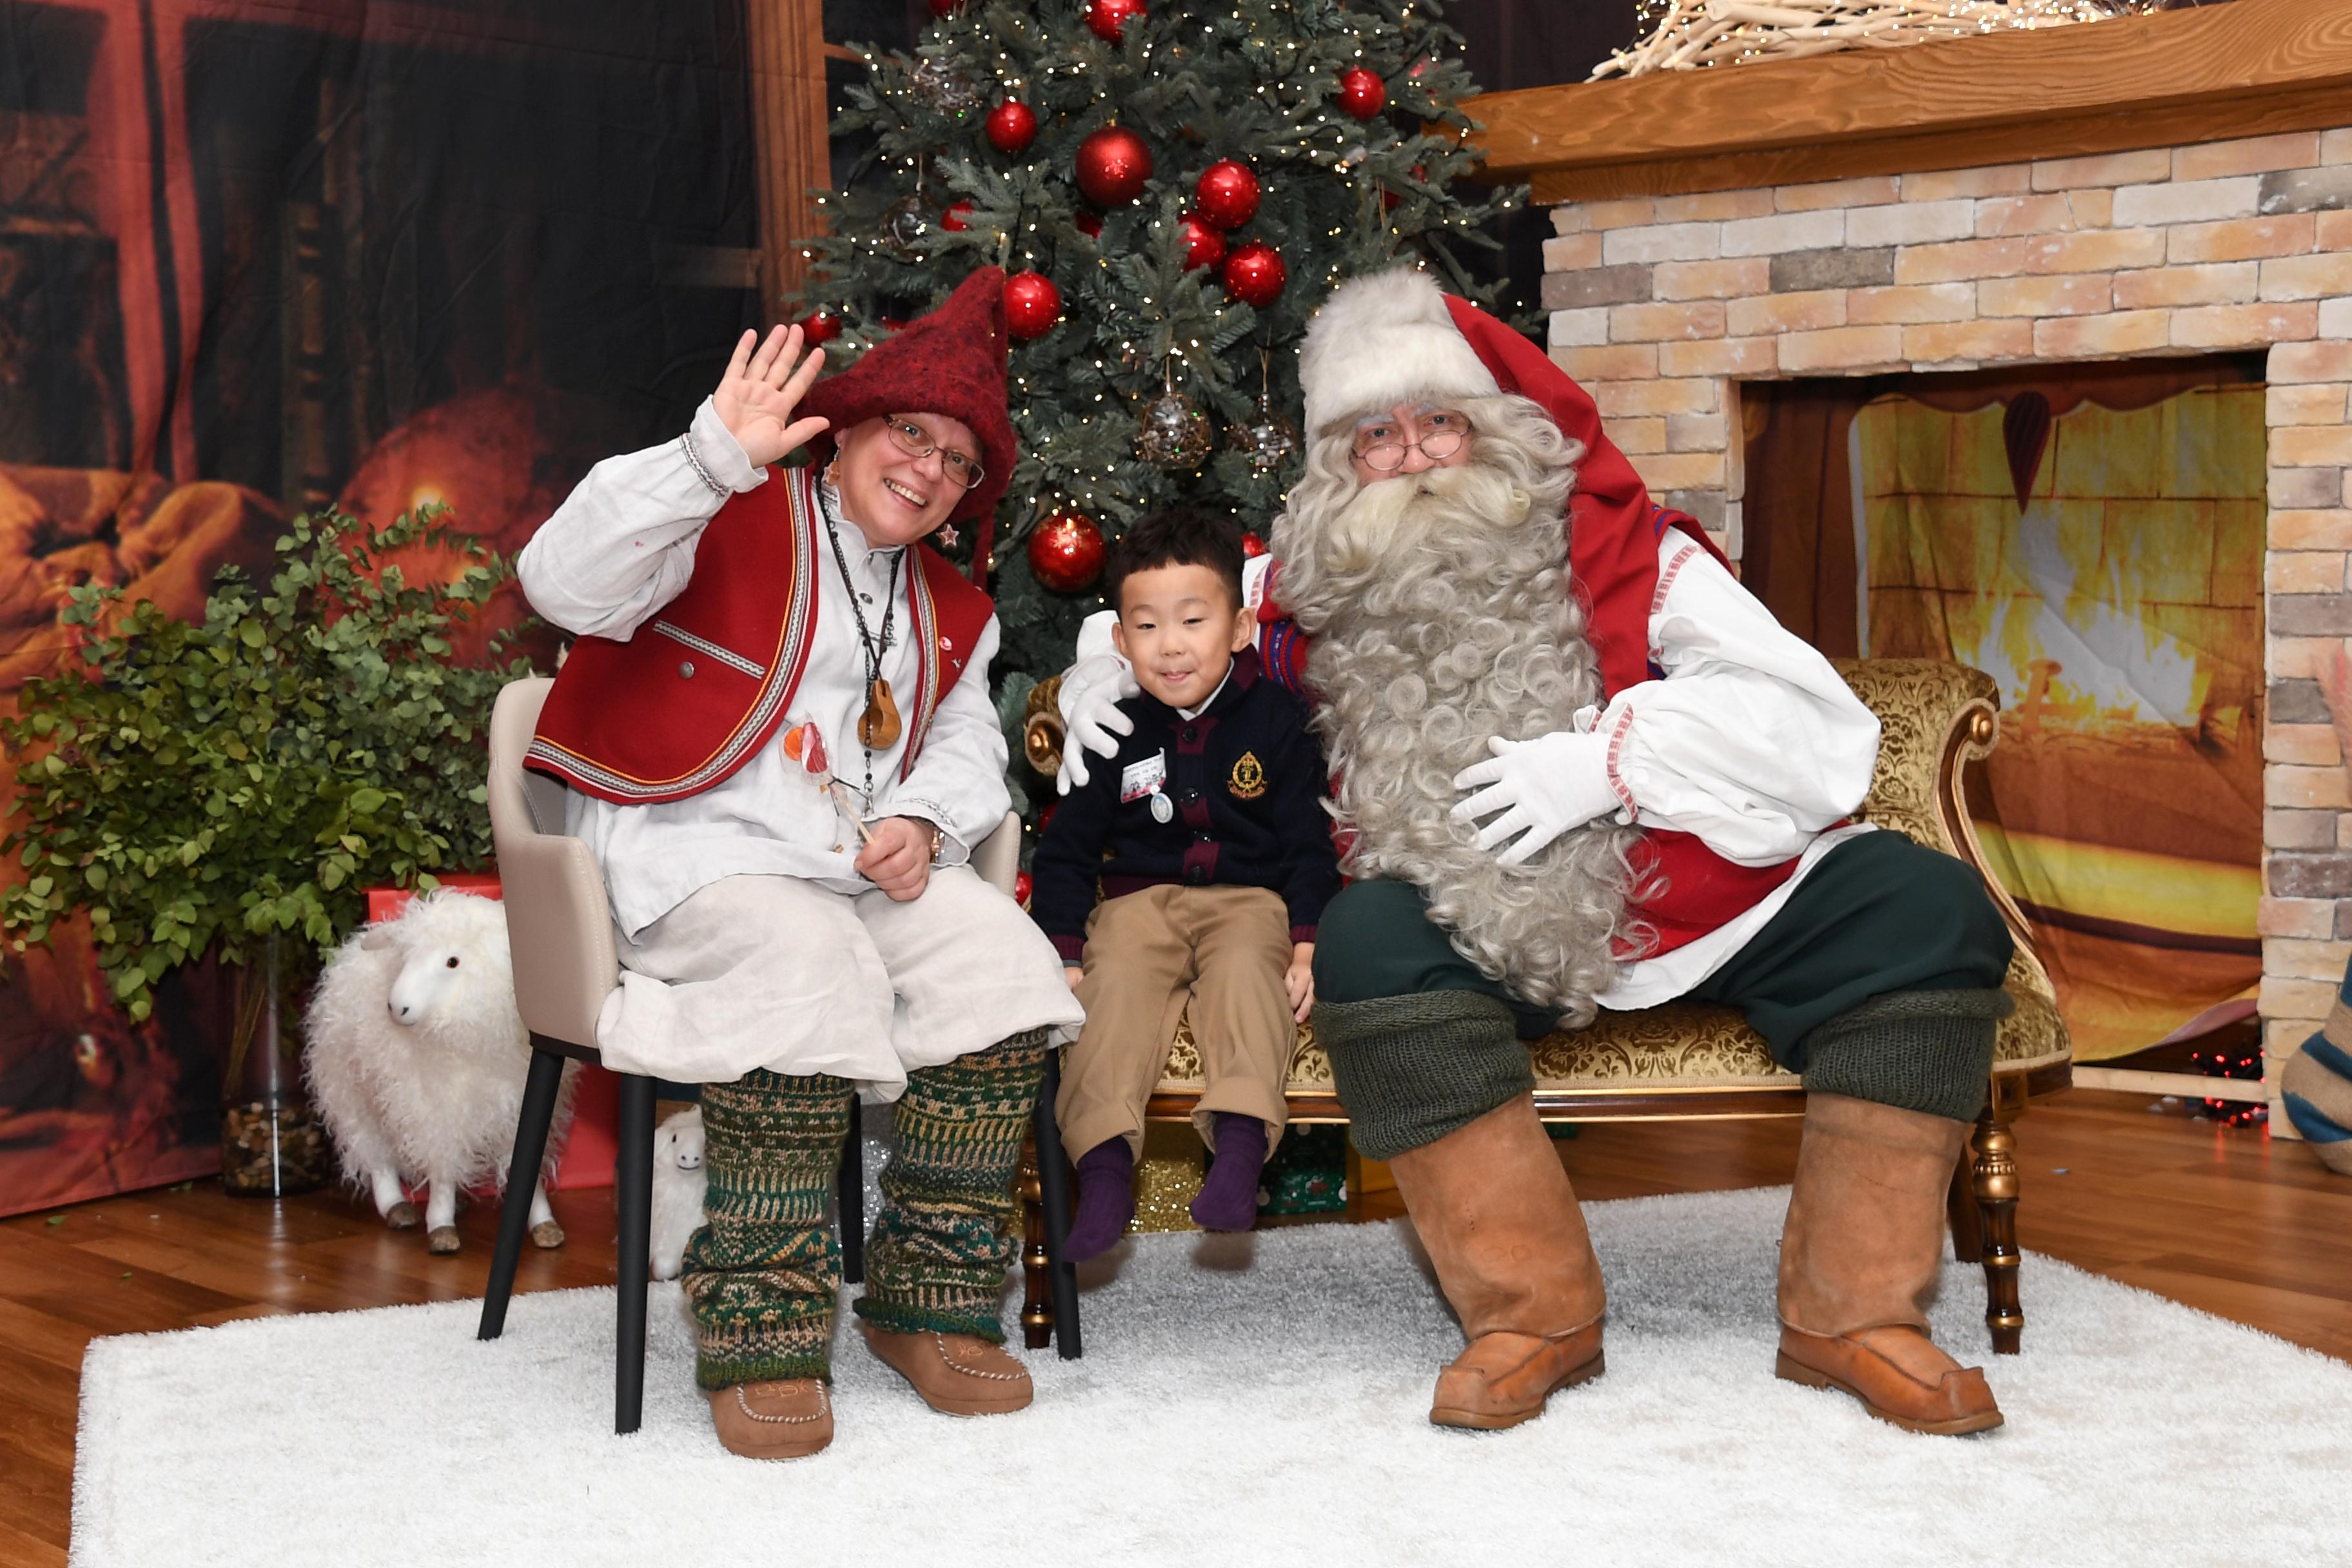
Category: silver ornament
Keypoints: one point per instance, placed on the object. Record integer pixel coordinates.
(905, 224)
(1172, 433)
(945, 89)
(1267, 438)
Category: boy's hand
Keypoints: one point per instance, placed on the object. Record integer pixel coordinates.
(898, 860)
(1072, 973)
(1299, 979)
(756, 397)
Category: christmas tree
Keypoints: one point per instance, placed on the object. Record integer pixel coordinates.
(1172, 191)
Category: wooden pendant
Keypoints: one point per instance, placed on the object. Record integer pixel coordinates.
(877, 727)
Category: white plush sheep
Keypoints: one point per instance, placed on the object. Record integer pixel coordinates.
(680, 1183)
(416, 1060)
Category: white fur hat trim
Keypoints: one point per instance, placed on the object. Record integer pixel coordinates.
(1383, 340)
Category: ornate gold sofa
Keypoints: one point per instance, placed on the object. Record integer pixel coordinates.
(1689, 1060)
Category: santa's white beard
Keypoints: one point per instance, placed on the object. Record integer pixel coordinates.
(1440, 614)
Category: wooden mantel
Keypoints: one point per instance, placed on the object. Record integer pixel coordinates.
(2247, 68)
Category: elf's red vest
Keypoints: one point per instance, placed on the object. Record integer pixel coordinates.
(694, 694)
(1614, 532)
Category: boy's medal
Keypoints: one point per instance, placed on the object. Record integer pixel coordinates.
(1163, 809)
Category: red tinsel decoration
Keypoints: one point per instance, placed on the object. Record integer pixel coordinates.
(1362, 92)
(1114, 162)
(1255, 274)
(1227, 194)
(1108, 19)
(1203, 246)
(1066, 552)
(1031, 304)
(1012, 126)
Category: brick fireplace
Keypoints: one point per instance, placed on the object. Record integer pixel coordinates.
(1665, 300)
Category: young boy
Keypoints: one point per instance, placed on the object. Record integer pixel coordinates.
(1208, 836)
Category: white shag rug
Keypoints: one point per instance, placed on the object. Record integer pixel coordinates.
(1241, 1401)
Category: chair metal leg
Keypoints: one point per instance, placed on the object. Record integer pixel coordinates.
(1053, 1196)
(523, 1176)
(849, 1197)
(633, 1196)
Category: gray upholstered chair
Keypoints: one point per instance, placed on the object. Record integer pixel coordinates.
(561, 930)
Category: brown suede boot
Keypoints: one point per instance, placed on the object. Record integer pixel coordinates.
(957, 1375)
(1500, 1222)
(1858, 1260)
(787, 1418)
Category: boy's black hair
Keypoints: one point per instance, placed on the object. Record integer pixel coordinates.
(1180, 536)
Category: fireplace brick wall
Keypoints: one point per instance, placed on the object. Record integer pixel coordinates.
(1662, 306)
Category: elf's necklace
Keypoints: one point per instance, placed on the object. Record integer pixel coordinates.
(878, 726)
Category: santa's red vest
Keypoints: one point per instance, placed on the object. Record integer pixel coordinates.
(696, 691)
(1683, 890)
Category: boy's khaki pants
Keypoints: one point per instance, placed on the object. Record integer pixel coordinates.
(1223, 950)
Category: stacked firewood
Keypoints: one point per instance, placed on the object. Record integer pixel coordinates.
(1694, 33)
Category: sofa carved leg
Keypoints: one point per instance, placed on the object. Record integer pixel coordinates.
(1995, 1180)
(1960, 1209)
(1036, 1300)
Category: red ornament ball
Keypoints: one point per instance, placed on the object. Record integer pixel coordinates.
(1203, 246)
(1227, 194)
(1022, 887)
(1089, 223)
(1251, 546)
(819, 326)
(1113, 164)
(1255, 274)
(1362, 92)
(1031, 304)
(1107, 19)
(1066, 552)
(946, 8)
(1012, 126)
(957, 218)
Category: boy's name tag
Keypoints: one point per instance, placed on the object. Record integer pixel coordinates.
(1139, 779)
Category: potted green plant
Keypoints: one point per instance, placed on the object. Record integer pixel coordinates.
(231, 787)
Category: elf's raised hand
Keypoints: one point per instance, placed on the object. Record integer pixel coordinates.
(1542, 787)
(756, 397)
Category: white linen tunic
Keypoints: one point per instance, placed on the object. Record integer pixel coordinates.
(620, 547)
(1751, 742)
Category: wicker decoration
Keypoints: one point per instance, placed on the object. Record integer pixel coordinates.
(1694, 33)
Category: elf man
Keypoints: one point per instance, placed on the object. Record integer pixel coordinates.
(792, 934)
(1584, 768)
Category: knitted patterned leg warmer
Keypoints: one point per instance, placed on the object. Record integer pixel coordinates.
(764, 1272)
(940, 1247)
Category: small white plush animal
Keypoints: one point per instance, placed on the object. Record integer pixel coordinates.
(680, 1183)
(416, 1060)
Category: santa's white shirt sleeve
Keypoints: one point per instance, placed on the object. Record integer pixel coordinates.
(1750, 741)
(621, 547)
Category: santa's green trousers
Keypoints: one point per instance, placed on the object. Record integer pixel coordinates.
(764, 1272)
(1879, 979)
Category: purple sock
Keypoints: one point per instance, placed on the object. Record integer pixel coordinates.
(1228, 1199)
(1105, 1201)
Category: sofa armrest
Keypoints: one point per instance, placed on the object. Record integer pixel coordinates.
(997, 858)
(560, 929)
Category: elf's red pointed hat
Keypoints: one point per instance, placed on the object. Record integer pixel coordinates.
(952, 361)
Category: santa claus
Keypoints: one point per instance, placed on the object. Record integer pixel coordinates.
(1580, 767)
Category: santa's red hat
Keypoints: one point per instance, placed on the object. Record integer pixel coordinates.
(949, 361)
(1395, 337)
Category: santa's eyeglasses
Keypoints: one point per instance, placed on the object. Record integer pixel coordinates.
(1381, 447)
(916, 442)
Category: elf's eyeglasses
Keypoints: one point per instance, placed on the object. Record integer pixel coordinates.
(1381, 447)
(916, 442)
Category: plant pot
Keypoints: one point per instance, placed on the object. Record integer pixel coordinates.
(272, 1143)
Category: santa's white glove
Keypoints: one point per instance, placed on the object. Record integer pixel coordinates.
(1091, 721)
(1543, 787)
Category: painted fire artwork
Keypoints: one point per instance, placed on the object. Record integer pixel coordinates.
(252, 263)
(2105, 566)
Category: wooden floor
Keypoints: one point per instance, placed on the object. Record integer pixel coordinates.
(2228, 1221)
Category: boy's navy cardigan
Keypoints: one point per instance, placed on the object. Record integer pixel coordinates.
(1247, 783)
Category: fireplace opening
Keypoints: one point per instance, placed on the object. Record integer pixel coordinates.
(2092, 536)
